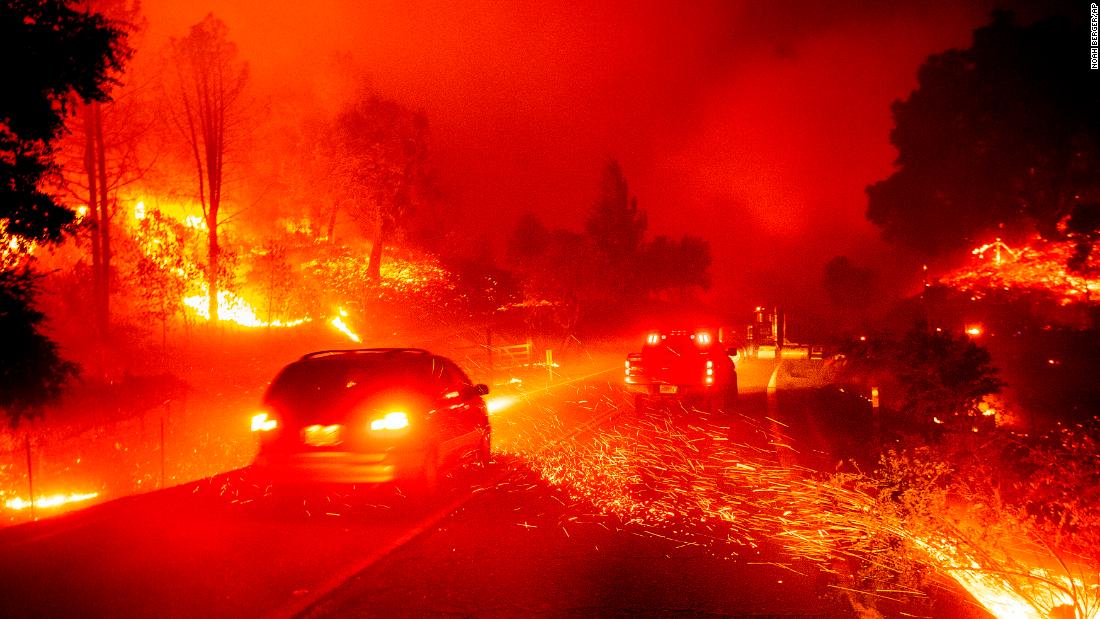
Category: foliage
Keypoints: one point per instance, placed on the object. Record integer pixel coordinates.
(927, 375)
(55, 55)
(32, 372)
(1002, 136)
(161, 268)
(610, 268)
(207, 103)
(61, 52)
(1011, 516)
(382, 158)
(616, 227)
(667, 264)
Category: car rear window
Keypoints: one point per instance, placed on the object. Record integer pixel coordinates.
(331, 384)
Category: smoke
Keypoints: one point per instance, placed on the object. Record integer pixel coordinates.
(754, 125)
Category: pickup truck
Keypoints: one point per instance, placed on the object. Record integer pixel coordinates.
(684, 365)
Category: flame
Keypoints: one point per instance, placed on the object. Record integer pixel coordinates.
(54, 500)
(1031, 594)
(342, 327)
(693, 481)
(1039, 266)
(232, 308)
(13, 249)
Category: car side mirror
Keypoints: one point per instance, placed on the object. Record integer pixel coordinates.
(481, 389)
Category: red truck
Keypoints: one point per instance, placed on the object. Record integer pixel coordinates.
(686, 365)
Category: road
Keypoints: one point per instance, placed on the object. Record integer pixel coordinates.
(574, 518)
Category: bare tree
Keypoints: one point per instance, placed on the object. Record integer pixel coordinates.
(207, 107)
(99, 156)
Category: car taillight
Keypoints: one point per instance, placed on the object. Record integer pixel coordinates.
(264, 422)
(390, 421)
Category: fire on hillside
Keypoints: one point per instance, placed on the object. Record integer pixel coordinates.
(1038, 266)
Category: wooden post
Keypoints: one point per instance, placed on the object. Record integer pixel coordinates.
(30, 474)
(162, 457)
(875, 421)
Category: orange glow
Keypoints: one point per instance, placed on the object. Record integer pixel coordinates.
(13, 249)
(653, 338)
(342, 327)
(975, 330)
(232, 308)
(54, 500)
(390, 421)
(1039, 266)
(498, 403)
(262, 422)
(1032, 594)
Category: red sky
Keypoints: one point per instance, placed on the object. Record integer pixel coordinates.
(756, 125)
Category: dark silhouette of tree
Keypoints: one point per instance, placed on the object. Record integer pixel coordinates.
(925, 375)
(55, 56)
(616, 228)
(669, 265)
(207, 103)
(615, 223)
(529, 239)
(52, 52)
(1001, 136)
(32, 372)
(382, 156)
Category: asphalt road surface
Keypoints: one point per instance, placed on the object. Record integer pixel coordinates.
(575, 518)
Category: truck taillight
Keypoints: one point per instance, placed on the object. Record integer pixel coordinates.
(710, 368)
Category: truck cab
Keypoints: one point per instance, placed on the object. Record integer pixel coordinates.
(686, 365)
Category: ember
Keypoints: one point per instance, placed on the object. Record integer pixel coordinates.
(1039, 266)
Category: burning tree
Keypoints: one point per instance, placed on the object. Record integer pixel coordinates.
(1002, 136)
(382, 157)
(207, 105)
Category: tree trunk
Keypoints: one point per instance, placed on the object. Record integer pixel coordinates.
(374, 267)
(212, 266)
(89, 167)
(97, 180)
(104, 231)
(332, 224)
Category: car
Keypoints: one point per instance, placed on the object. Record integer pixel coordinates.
(682, 364)
(401, 416)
